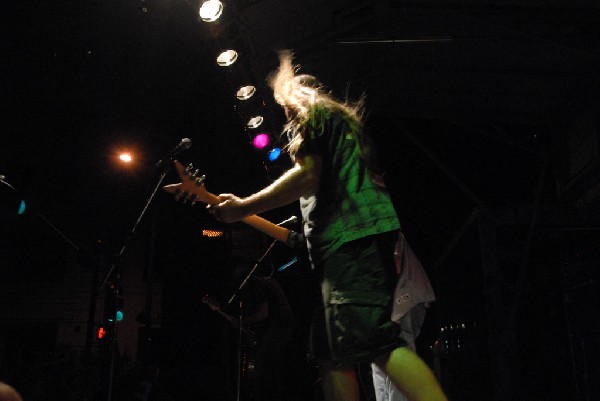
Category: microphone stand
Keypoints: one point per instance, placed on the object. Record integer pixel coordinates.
(115, 273)
(52, 226)
(237, 292)
(84, 259)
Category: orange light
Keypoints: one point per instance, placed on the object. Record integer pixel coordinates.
(125, 157)
(212, 233)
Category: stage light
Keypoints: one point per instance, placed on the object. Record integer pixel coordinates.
(10, 200)
(227, 57)
(213, 233)
(255, 122)
(211, 10)
(274, 154)
(101, 333)
(22, 207)
(246, 92)
(261, 141)
(118, 316)
(125, 157)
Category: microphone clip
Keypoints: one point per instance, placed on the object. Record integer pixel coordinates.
(185, 143)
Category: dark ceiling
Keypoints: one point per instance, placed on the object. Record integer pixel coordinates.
(475, 104)
(467, 99)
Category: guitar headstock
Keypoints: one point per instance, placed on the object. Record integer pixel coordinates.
(211, 302)
(191, 188)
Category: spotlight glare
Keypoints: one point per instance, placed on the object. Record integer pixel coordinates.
(255, 122)
(211, 10)
(245, 92)
(261, 141)
(227, 57)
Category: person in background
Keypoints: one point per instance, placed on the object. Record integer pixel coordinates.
(268, 321)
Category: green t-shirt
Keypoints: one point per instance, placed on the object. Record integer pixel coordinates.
(347, 205)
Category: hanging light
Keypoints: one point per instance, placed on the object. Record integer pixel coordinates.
(227, 58)
(211, 10)
(261, 141)
(255, 122)
(245, 92)
(274, 154)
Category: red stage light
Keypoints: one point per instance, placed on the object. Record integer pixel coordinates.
(101, 333)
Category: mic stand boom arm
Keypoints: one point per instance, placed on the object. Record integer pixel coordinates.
(258, 262)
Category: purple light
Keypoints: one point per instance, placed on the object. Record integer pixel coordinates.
(260, 141)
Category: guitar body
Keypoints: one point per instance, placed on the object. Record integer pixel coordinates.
(247, 345)
(249, 348)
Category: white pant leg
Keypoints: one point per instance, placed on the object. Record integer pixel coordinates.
(385, 390)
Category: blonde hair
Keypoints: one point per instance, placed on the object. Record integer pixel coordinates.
(302, 93)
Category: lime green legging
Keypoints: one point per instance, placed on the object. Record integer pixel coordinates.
(406, 370)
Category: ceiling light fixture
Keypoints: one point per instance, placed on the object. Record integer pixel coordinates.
(227, 58)
(255, 122)
(211, 10)
(245, 92)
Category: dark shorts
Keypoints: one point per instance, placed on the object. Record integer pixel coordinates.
(357, 284)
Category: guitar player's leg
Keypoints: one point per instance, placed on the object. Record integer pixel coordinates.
(411, 375)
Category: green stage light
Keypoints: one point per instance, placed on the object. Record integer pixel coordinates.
(22, 207)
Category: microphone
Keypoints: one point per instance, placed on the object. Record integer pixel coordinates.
(2, 177)
(291, 220)
(185, 143)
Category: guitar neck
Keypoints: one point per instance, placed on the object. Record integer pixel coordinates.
(265, 226)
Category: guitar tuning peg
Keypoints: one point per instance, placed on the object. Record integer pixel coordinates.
(193, 199)
(188, 169)
(200, 180)
(196, 173)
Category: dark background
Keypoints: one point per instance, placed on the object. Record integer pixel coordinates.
(480, 108)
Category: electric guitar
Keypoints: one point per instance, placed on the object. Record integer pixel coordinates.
(248, 345)
(192, 189)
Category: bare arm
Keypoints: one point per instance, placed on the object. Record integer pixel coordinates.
(261, 314)
(301, 179)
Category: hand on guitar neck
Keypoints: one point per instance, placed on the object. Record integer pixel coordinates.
(191, 189)
(216, 307)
